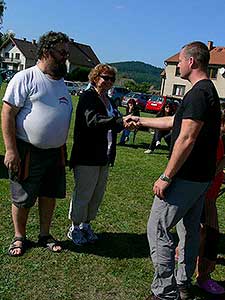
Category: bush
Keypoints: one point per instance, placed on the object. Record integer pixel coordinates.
(79, 74)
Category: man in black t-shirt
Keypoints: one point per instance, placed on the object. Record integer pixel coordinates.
(179, 191)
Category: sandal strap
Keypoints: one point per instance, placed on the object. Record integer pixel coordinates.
(48, 242)
(19, 239)
(13, 246)
(44, 239)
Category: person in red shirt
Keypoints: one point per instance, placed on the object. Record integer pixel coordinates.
(209, 238)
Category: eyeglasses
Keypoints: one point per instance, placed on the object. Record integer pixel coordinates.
(107, 78)
(62, 52)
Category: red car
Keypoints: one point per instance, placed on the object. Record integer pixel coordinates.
(155, 103)
(140, 99)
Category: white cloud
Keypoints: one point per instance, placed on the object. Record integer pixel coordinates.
(119, 6)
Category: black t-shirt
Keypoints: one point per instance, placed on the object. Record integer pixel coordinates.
(200, 103)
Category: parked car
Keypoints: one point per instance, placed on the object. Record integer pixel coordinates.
(116, 93)
(7, 75)
(83, 87)
(156, 102)
(72, 87)
(140, 99)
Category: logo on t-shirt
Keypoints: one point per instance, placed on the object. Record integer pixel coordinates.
(63, 100)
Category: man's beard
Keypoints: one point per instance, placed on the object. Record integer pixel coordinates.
(59, 70)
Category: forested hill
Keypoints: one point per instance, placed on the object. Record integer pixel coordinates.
(139, 71)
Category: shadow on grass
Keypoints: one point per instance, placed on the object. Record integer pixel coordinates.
(114, 245)
(145, 147)
(3, 169)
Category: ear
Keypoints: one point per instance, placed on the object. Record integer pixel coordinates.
(191, 60)
(192, 63)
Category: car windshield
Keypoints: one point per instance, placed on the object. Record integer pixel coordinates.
(156, 98)
(133, 95)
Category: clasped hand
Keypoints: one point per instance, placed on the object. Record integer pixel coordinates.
(131, 122)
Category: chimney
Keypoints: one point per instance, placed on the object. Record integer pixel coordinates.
(210, 45)
(24, 39)
(34, 42)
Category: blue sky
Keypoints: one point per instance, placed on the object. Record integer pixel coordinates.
(121, 30)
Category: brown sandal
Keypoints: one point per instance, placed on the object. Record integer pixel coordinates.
(47, 241)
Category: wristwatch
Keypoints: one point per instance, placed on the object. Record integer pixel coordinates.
(163, 177)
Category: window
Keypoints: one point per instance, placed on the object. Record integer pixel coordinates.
(178, 90)
(212, 71)
(7, 55)
(177, 72)
(17, 56)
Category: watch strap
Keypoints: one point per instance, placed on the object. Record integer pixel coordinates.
(163, 177)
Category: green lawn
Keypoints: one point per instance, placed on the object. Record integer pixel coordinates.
(118, 267)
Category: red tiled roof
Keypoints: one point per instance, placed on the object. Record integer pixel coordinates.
(174, 58)
(217, 57)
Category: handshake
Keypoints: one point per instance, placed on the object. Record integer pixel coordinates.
(131, 122)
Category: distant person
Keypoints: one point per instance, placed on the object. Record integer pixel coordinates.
(131, 109)
(209, 238)
(166, 110)
(36, 115)
(180, 190)
(94, 149)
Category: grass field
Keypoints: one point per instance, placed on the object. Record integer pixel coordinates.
(118, 267)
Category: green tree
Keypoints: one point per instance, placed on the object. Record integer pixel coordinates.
(137, 87)
(6, 36)
(2, 8)
(79, 74)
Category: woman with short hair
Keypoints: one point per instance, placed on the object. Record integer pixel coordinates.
(94, 150)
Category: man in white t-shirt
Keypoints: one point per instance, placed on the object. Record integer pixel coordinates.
(36, 116)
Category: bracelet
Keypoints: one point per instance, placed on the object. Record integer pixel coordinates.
(163, 177)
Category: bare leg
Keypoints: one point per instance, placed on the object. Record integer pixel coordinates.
(46, 209)
(19, 217)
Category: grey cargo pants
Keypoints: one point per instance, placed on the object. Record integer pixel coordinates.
(182, 208)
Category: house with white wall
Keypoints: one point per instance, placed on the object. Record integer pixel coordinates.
(173, 85)
(19, 54)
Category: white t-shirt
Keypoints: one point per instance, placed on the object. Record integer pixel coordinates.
(45, 108)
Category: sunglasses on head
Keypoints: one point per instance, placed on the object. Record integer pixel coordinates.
(107, 78)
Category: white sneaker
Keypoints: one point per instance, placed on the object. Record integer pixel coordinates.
(157, 144)
(88, 232)
(148, 151)
(78, 236)
(69, 233)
